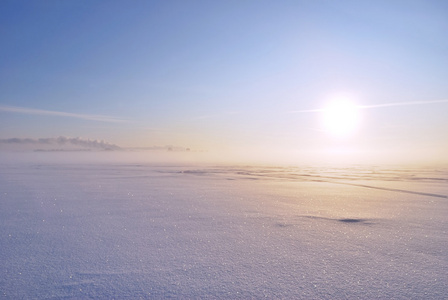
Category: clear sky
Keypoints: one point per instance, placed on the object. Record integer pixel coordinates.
(239, 78)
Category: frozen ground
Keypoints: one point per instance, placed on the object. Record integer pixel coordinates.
(128, 231)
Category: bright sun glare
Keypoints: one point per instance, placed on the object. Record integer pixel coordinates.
(341, 118)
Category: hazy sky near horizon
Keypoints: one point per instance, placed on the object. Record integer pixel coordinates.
(241, 77)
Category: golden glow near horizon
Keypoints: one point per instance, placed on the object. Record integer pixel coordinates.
(341, 118)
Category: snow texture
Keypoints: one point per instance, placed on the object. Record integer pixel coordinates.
(72, 231)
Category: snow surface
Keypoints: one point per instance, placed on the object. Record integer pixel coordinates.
(129, 231)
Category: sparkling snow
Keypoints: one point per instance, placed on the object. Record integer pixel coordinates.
(177, 231)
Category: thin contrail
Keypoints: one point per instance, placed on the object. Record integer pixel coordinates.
(378, 105)
(403, 103)
(33, 111)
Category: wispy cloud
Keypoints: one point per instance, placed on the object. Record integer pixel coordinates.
(62, 140)
(378, 105)
(33, 111)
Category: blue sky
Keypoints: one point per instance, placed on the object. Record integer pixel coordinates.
(226, 75)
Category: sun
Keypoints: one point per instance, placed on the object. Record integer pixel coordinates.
(341, 118)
